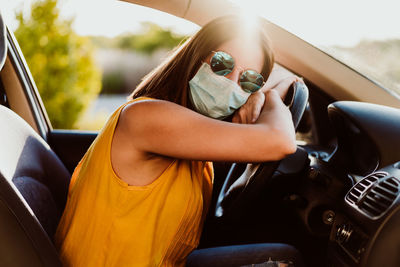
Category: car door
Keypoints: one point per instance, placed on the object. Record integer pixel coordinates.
(18, 91)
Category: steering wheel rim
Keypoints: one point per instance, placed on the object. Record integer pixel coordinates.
(237, 191)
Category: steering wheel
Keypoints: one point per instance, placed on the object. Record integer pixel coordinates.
(240, 186)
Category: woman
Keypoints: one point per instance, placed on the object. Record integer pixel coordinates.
(140, 194)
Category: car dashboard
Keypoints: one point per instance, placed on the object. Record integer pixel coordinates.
(366, 230)
(365, 162)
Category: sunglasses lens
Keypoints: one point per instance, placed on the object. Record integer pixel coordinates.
(251, 81)
(222, 63)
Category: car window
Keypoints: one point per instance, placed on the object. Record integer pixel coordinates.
(82, 73)
(84, 66)
(363, 34)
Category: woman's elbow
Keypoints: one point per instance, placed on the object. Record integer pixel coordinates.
(285, 145)
(284, 151)
(289, 147)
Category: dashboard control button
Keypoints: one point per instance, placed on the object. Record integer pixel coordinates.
(328, 217)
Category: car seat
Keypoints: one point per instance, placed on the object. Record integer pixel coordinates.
(33, 189)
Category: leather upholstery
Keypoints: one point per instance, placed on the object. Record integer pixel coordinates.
(33, 185)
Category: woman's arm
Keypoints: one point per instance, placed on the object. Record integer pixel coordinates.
(168, 129)
(277, 75)
(197, 11)
(249, 112)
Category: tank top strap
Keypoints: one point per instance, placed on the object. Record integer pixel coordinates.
(140, 98)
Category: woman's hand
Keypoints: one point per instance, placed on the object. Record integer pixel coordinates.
(249, 112)
(283, 86)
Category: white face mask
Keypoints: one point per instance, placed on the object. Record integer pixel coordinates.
(215, 96)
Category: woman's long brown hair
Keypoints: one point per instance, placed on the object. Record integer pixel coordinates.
(170, 80)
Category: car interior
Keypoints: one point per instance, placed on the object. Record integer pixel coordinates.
(336, 200)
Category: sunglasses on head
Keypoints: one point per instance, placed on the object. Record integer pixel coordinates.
(222, 64)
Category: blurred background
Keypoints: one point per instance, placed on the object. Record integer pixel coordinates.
(86, 57)
(83, 68)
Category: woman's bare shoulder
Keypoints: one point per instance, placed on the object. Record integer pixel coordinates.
(132, 164)
(141, 113)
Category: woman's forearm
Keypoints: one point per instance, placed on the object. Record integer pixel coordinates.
(276, 117)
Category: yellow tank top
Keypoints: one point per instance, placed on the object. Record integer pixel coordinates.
(107, 222)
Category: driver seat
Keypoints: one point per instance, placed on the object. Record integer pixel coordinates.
(33, 192)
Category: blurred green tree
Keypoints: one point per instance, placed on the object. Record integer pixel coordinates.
(61, 62)
(152, 38)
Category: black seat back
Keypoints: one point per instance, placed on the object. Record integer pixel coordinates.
(33, 188)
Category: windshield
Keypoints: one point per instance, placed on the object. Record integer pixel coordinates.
(362, 34)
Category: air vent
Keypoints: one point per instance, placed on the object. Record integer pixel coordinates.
(381, 197)
(374, 194)
(361, 187)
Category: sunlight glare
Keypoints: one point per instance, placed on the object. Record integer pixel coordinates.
(248, 16)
